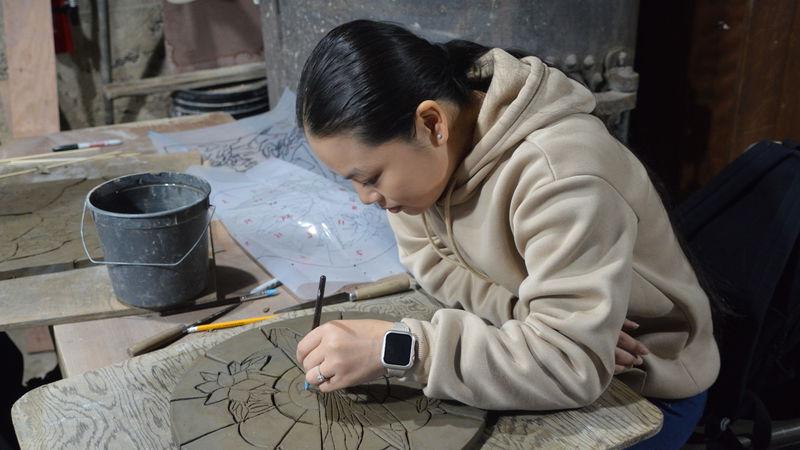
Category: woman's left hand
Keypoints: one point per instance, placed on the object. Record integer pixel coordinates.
(345, 352)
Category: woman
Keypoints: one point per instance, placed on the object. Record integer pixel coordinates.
(515, 207)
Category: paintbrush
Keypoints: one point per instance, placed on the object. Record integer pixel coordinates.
(172, 334)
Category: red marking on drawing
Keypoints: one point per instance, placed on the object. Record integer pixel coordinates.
(340, 221)
(278, 235)
(360, 252)
(248, 221)
(354, 207)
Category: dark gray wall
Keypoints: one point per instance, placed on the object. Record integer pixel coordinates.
(550, 29)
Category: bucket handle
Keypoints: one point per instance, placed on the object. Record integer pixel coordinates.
(196, 243)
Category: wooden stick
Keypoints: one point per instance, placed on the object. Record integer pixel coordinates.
(43, 161)
(45, 155)
(186, 80)
(61, 164)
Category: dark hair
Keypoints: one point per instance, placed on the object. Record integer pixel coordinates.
(367, 78)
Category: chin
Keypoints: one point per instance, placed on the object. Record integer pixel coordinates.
(412, 211)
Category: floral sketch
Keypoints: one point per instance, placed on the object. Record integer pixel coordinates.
(262, 398)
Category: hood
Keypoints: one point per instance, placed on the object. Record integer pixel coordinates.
(523, 96)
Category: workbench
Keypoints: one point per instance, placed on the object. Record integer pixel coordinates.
(107, 400)
(126, 405)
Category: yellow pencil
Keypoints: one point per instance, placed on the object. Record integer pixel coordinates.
(229, 324)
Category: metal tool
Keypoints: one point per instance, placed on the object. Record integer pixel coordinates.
(391, 285)
(317, 314)
(172, 334)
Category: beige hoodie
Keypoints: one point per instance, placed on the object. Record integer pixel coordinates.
(559, 235)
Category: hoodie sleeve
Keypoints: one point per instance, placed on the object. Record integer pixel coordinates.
(577, 236)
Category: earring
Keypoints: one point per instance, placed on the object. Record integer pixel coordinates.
(439, 136)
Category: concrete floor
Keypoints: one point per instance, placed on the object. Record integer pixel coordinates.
(36, 364)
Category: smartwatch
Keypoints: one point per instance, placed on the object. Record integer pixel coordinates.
(397, 352)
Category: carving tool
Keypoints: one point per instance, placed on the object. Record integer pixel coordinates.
(172, 334)
(229, 324)
(82, 145)
(391, 285)
(223, 302)
(317, 310)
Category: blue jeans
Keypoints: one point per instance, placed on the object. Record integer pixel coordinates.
(680, 418)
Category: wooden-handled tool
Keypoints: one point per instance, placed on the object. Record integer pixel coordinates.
(387, 286)
(172, 334)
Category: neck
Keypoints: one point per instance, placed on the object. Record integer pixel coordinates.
(462, 132)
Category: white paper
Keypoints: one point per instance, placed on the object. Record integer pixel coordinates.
(300, 225)
(242, 144)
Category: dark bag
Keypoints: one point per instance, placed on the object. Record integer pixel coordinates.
(742, 230)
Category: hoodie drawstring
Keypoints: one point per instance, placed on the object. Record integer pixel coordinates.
(461, 262)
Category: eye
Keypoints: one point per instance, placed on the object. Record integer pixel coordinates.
(372, 181)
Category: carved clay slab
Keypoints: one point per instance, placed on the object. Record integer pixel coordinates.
(248, 393)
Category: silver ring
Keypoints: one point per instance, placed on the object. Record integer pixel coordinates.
(320, 377)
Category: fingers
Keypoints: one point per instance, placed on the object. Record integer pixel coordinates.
(313, 359)
(631, 345)
(308, 344)
(630, 325)
(625, 359)
(328, 377)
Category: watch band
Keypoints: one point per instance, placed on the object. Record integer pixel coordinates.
(400, 326)
(398, 373)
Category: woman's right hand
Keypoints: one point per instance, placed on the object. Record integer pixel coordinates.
(629, 351)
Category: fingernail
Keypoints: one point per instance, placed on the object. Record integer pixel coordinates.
(645, 351)
(639, 361)
(635, 325)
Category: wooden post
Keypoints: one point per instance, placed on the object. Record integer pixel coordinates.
(29, 95)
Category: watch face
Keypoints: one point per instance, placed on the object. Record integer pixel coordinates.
(397, 350)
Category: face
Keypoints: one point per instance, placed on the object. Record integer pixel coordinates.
(398, 175)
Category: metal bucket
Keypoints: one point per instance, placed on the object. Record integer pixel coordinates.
(153, 229)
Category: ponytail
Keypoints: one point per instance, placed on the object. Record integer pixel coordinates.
(367, 78)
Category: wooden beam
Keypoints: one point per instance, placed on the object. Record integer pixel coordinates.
(188, 80)
(31, 97)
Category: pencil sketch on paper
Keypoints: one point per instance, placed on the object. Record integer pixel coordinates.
(241, 145)
(260, 400)
(299, 225)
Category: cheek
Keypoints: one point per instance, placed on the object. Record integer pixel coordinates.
(422, 184)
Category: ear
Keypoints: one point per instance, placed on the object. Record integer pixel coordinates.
(432, 123)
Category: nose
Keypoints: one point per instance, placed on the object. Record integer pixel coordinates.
(366, 194)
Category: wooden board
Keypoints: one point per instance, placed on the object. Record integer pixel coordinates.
(126, 406)
(249, 390)
(133, 134)
(187, 80)
(40, 222)
(87, 294)
(31, 99)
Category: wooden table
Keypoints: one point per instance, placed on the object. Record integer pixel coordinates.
(110, 401)
(126, 405)
(80, 350)
(45, 278)
(133, 134)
